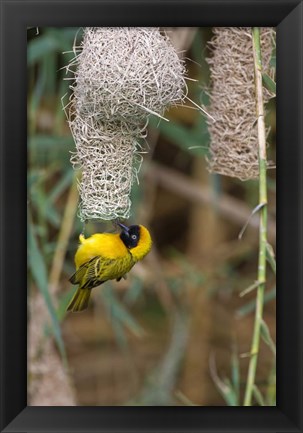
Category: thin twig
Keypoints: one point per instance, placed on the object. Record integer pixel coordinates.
(249, 289)
(256, 209)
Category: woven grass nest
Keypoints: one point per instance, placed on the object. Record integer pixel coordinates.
(121, 76)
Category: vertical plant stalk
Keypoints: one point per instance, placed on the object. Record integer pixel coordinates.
(64, 234)
(263, 218)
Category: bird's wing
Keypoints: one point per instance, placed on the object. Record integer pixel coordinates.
(90, 274)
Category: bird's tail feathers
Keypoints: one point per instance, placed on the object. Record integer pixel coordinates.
(80, 300)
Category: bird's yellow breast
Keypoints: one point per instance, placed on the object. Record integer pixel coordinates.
(107, 245)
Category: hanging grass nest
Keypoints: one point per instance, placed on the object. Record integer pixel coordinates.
(109, 159)
(234, 137)
(121, 76)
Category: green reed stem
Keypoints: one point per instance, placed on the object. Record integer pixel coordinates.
(263, 219)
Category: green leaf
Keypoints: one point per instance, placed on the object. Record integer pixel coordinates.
(50, 63)
(271, 387)
(117, 312)
(49, 142)
(250, 306)
(224, 386)
(270, 257)
(63, 39)
(61, 186)
(235, 374)
(266, 337)
(33, 177)
(40, 47)
(38, 92)
(228, 393)
(52, 215)
(44, 149)
(45, 209)
(198, 47)
(52, 41)
(134, 291)
(120, 334)
(63, 303)
(39, 274)
(258, 396)
(193, 141)
(273, 58)
(268, 83)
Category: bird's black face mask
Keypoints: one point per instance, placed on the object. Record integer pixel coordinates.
(130, 235)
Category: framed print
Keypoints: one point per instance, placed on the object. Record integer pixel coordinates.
(164, 141)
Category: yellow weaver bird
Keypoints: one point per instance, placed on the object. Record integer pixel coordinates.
(106, 256)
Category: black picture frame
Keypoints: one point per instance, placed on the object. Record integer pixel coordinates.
(16, 16)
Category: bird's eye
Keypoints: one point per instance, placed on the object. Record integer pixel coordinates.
(134, 237)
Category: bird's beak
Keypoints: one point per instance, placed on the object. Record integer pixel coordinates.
(124, 228)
